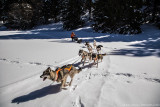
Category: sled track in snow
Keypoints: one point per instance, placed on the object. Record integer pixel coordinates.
(37, 63)
(69, 61)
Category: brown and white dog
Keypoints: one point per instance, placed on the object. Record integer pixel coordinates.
(89, 47)
(85, 55)
(60, 74)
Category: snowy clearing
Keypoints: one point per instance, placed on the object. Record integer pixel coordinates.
(128, 76)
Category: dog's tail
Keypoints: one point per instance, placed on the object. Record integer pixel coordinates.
(100, 45)
(104, 54)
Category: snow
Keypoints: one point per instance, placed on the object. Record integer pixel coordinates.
(128, 76)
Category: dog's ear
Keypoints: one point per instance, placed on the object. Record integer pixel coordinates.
(49, 68)
(80, 49)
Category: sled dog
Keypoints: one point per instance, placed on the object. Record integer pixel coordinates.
(89, 47)
(79, 41)
(60, 74)
(96, 57)
(94, 44)
(98, 48)
(85, 55)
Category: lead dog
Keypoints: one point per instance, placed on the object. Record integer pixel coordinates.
(60, 74)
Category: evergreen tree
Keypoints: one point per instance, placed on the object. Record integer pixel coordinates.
(72, 14)
(23, 14)
(151, 13)
(63, 11)
(120, 16)
(38, 18)
(5, 8)
(46, 11)
(56, 8)
(88, 6)
(1, 6)
(19, 16)
(52, 9)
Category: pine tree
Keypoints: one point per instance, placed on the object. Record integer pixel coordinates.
(46, 11)
(23, 14)
(120, 16)
(89, 5)
(56, 9)
(19, 16)
(38, 18)
(1, 6)
(72, 14)
(151, 13)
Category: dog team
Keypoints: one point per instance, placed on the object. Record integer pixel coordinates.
(61, 73)
(90, 55)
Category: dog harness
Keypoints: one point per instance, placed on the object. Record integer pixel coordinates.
(69, 69)
(59, 69)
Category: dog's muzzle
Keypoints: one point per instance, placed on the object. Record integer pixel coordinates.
(80, 54)
(44, 78)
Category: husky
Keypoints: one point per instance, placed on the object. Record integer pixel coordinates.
(60, 74)
(96, 57)
(94, 44)
(98, 48)
(85, 55)
(79, 41)
(87, 43)
(89, 47)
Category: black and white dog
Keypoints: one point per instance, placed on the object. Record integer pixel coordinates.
(99, 48)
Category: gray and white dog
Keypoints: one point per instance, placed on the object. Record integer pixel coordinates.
(85, 55)
(89, 47)
(60, 74)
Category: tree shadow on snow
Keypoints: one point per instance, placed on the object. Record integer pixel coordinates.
(149, 47)
(52, 89)
(146, 48)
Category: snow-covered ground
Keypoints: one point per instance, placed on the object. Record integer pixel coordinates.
(129, 75)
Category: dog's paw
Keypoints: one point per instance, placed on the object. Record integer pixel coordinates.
(64, 88)
(69, 84)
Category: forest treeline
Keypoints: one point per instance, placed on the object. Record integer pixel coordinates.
(112, 16)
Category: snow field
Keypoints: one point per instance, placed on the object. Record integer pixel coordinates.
(125, 77)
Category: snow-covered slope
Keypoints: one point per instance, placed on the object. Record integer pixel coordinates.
(128, 76)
